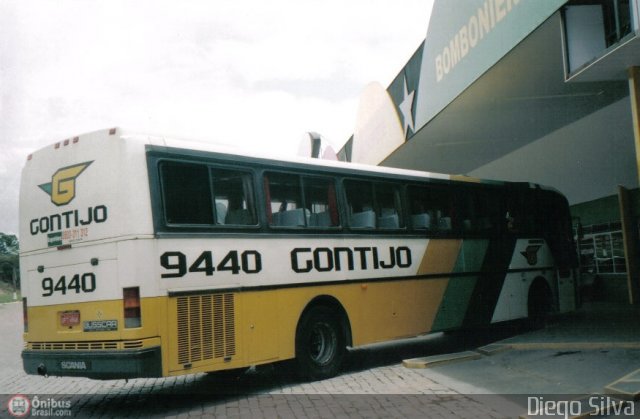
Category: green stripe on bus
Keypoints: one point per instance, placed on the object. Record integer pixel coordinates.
(455, 301)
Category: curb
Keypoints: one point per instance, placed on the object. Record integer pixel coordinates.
(574, 345)
(431, 361)
(494, 348)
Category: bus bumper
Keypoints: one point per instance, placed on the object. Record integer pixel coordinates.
(104, 365)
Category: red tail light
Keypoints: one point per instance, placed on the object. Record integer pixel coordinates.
(132, 312)
(25, 316)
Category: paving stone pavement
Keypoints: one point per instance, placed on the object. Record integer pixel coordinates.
(382, 391)
(389, 391)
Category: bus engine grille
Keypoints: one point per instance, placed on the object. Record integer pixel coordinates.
(206, 327)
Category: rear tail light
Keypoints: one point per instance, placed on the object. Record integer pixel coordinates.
(132, 313)
(25, 316)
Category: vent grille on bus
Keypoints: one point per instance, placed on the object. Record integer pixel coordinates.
(72, 346)
(91, 345)
(206, 327)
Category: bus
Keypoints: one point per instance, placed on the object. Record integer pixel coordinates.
(144, 256)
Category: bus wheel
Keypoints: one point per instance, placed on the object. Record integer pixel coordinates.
(539, 304)
(320, 344)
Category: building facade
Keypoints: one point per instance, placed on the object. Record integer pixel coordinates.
(525, 90)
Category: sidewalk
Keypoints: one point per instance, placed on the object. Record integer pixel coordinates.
(588, 359)
(593, 350)
(594, 326)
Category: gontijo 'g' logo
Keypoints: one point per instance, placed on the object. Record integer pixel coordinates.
(62, 187)
(531, 253)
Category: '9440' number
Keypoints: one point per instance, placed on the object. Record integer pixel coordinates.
(78, 283)
(249, 262)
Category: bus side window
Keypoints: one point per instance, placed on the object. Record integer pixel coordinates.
(186, 193)
(233, 197)
(482, 210)
(360, 206)
(430, 208)
(517, 219)
(284, 203)
(320, 202)
(372, 205)
(388, 207)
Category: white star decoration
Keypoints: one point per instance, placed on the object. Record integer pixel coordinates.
(406, 107)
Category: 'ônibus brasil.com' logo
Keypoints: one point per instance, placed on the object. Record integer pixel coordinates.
(62, 188)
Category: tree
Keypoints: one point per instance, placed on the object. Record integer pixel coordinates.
(8, 244)
(9, 264)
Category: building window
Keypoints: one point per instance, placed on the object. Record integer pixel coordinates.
(592, 26)
(602, 251)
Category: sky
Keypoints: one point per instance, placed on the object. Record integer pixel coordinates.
(255, 74)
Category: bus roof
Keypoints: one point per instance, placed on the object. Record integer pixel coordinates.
(231, 150)
(186, 144)
(213, 147)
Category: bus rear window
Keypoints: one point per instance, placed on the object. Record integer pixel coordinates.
(186, 193)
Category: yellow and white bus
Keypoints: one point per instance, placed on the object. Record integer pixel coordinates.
(143, 256)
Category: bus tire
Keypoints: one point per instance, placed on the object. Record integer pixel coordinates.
(320, 344)
(539, 304)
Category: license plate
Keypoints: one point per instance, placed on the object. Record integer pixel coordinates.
(70, 318)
